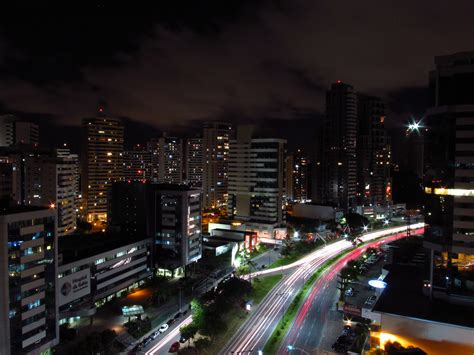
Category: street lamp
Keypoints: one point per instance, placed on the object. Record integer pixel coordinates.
(365, 228)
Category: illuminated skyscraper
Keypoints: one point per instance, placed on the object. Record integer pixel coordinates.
(193, 162)
(137, 163)
(170, 160)
(338, 165)
(102, 162)
(215, 140)
(373, 152)
(257, 181)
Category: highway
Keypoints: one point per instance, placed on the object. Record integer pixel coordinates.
(254, 333)
(308, 328)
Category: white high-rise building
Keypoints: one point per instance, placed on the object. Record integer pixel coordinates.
(215, 143)
(102, 162)
(257, 180)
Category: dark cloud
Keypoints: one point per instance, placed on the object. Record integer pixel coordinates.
(168, 67)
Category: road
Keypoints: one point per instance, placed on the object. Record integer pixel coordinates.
(310, 323)
(254, 333)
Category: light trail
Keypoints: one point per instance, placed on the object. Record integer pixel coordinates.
(262, 322)
(168, 337)
(265, 316)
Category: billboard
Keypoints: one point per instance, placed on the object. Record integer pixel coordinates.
(74, 286)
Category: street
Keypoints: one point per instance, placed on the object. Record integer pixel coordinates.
(254, 333)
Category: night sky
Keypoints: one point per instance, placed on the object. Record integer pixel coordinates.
(244, 61)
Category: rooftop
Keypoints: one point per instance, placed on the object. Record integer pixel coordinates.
(79, 246)
(8, 208)
(403, 296)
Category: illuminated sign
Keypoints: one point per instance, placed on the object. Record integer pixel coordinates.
(449, 192)
(74, 286)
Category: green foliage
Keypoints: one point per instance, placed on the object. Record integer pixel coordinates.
(202, 343)
(138, 327)
(197, 311)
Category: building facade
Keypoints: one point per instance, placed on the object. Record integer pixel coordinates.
(137, 163)
(215, 143)
(168, 213)
(28, 311)
(102, 162)
(256, 179)
(106, 267)
(14, 131)
(298, 177)
(338, 165)
(449, 173)
(193, 162)
(170, 160)
(373, 153)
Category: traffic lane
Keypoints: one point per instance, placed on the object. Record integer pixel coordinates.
(256, 330)
(325, 279)
(266, 258)
(163, 342)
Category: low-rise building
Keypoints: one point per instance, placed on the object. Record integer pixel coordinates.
(95, 269)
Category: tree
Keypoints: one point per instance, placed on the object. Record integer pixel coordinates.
(197, 311)
(189, 331)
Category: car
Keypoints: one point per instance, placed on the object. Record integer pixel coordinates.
(184, 338)
(175, 347)
(163, 328)
(263, 266)
(349, 292)
(276, 248)
(183, 313)
(177, 315)
(370, 300)
(155, 334)
(171, 321)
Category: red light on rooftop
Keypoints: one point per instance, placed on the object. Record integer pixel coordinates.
(101, 109)
(338, 81)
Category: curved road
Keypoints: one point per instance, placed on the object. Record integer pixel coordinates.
(253, 334)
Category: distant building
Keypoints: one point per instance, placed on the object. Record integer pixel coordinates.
(137, 164)
(170, 160)
(289, 165)
(45, 178)
(338, 165)
(102, 162)
(449, 176)
(373, 152)
(29, 308)
(14, 131)
(256, 180)
(215, 143)
(298, 177)
(6, 182)
(194, 162)
(168, 213)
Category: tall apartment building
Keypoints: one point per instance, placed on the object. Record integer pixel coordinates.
(14, 131)
(170, 160)
(193, 162)
(373, 152)
(298, 180)
(289, 187)
(168, 213)
(46, 178)
(215, 143)
(6, 181)
(28, 308)
(256, 179)
(449, 174)
(338, 165)
(137, 163)
(102, 162)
